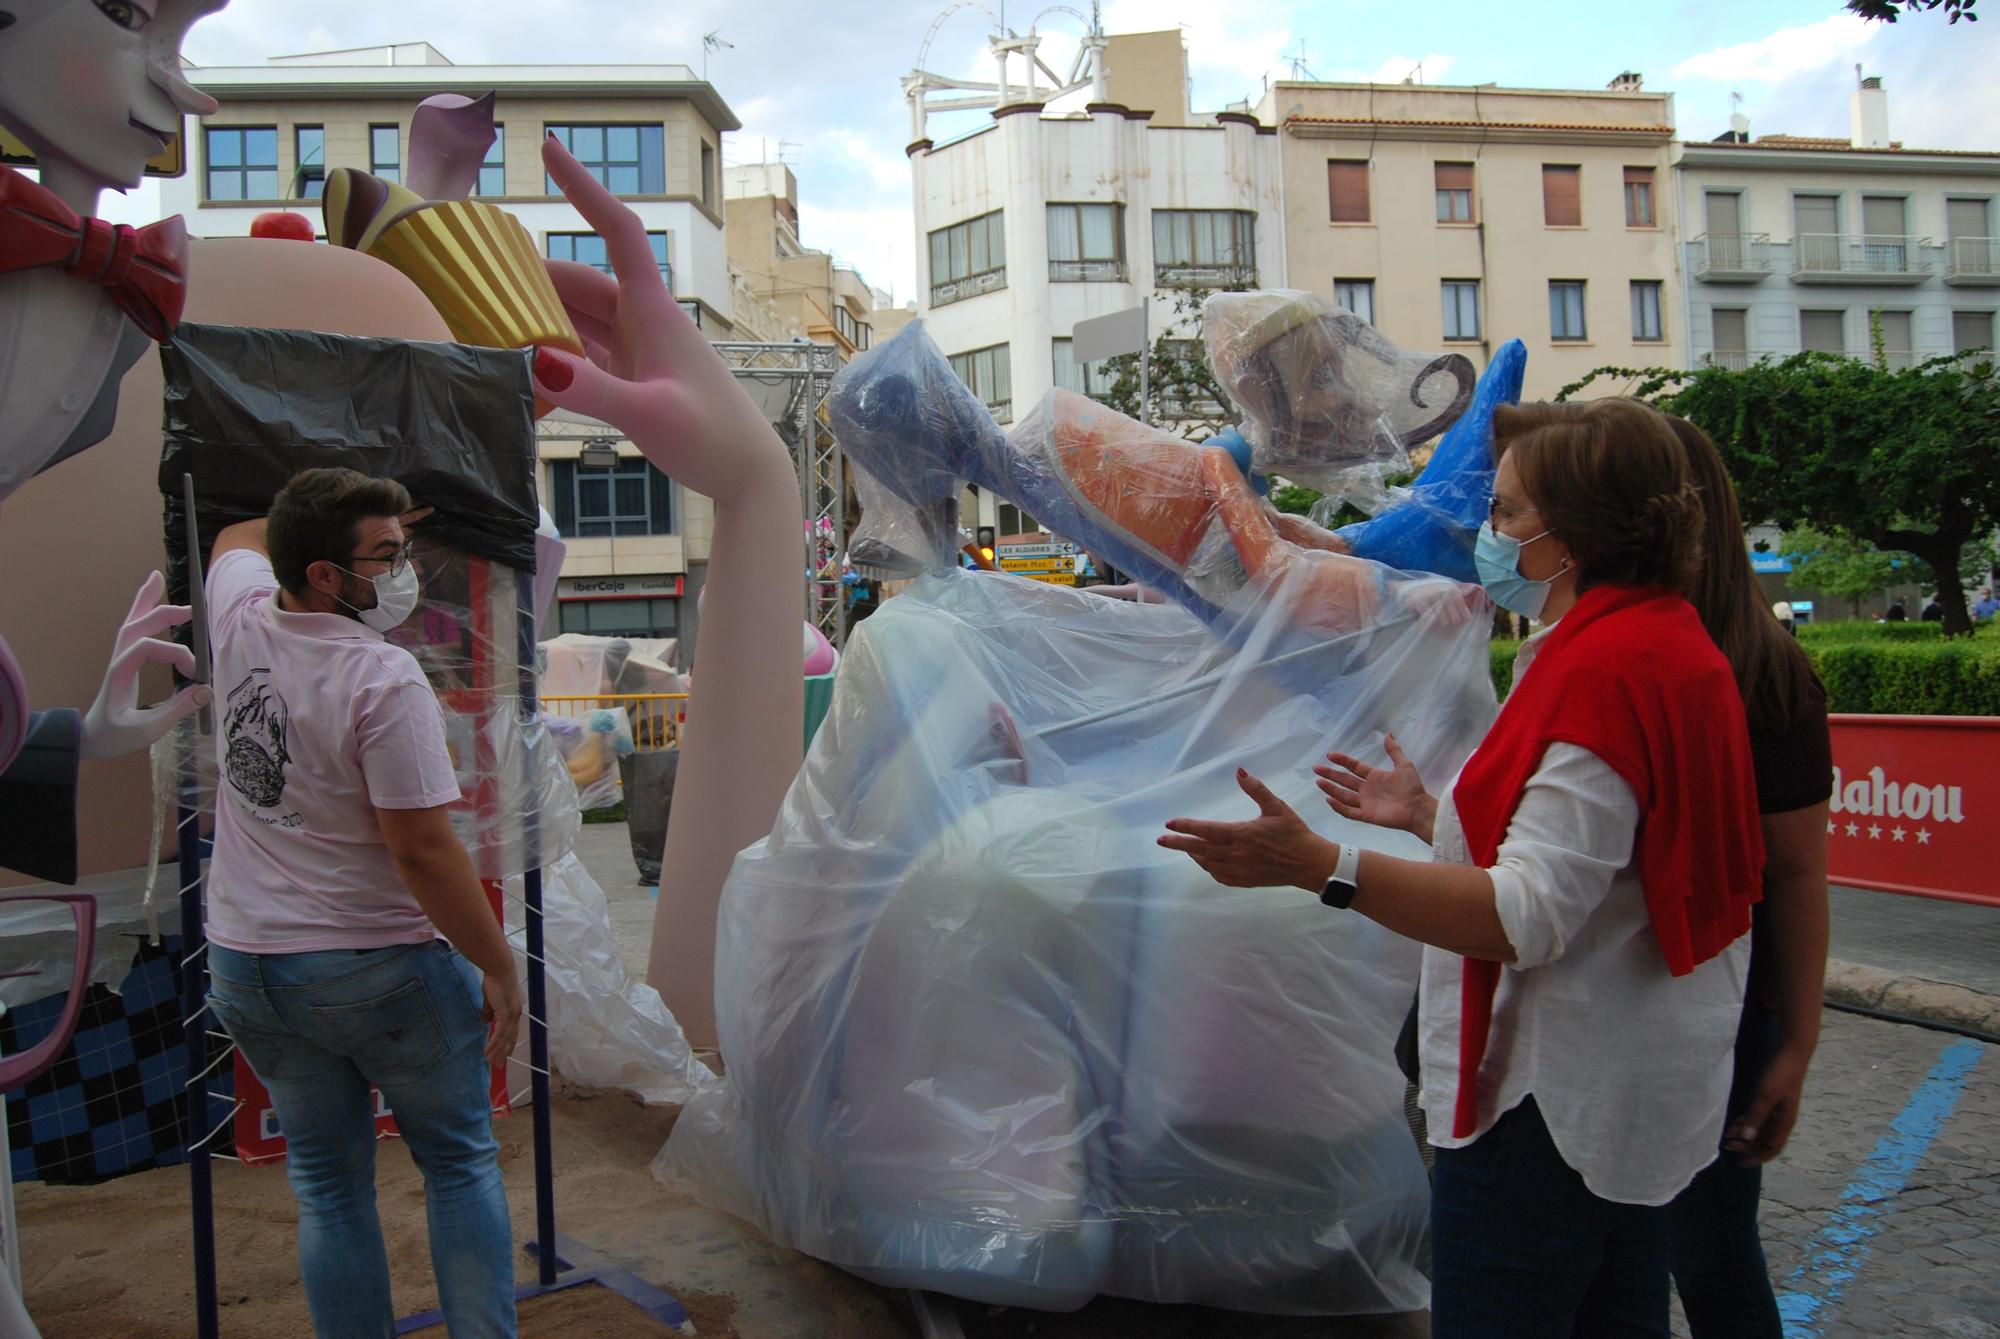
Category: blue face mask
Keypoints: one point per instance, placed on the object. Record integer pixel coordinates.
(1498, 559)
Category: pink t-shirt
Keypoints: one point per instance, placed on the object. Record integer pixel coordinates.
(319, 722)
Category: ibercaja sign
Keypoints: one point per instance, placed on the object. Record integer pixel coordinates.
(1914, 803)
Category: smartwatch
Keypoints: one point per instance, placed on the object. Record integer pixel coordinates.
(1339, 889)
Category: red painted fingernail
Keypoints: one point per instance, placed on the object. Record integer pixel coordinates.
(1240, 774)
(552, 371)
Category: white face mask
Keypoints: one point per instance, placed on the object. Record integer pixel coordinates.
(395, 598)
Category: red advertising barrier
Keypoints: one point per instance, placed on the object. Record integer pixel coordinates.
(1916, 805)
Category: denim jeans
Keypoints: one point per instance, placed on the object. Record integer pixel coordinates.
(319, 1029)
(1520, 1248)
(1718, 1256)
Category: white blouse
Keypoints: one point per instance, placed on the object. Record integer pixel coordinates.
(1629, 1064)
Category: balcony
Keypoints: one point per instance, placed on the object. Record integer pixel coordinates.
(1853, 258)
(1205, 276)
(1086, 271)
(1732, 257)
(1972, 262)
(1733, 360)
(971, 286)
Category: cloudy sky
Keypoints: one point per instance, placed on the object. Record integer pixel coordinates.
(819, 82)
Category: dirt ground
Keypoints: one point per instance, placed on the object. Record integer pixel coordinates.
(114, 1261)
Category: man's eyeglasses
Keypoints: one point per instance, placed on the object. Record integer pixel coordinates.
(1498, 511)
(396, 561)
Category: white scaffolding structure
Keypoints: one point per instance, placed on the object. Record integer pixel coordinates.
(1006, 45)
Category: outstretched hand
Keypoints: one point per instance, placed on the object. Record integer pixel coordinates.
(116, 724)
(651, 373)
(1273, 850)
(1388, 797)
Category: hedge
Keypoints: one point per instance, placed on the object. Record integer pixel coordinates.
(1890, 669)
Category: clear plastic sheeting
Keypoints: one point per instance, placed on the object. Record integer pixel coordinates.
(1326, 400)
(984, 1036)
(1182, 519)
(517, 805)
(605, 1029)
(579, 665)
(591, 743)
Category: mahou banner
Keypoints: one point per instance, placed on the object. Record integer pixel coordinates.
(1915, 803)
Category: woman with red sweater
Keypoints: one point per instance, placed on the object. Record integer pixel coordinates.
(1584, 913)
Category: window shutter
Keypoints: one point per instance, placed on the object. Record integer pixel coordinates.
(1882, 215)
(1454, 176)
(1347, 183)
(562, 495)
(1965, 218)
(1562, 197)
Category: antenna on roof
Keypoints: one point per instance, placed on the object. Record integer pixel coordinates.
(1299, 70)
(712, 42)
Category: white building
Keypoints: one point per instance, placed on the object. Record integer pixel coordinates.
(638, 541)
(1033, 222)
(1792, 243)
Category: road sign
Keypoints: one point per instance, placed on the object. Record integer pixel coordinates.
(1108, 336)
(1050, 549)
(1026, 566)
(1052, 578)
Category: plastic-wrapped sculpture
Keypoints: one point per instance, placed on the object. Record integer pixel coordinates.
(95, 91)
(980, 1037)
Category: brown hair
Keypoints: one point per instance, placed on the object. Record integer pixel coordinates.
(314, 518)
(1773, 674)
(1612, 483)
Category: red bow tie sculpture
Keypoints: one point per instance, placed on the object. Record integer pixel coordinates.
(144, 268)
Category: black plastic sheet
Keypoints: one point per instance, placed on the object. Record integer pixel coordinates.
(246, 409)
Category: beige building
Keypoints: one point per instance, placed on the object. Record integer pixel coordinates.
(1460, 218)
(638, 541)
(812, 294)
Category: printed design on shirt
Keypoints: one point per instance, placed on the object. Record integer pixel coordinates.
(254, 725)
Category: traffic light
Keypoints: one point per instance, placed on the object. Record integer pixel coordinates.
(986, 541)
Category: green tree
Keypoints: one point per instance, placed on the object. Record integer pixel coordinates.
(1185, 397)
(1886, 11)
(1844, 567)
(1908, 461)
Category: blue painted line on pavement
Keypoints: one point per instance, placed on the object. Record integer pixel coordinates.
(1835, 1254)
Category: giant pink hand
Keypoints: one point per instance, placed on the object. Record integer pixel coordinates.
(652, 374)
(116, 724)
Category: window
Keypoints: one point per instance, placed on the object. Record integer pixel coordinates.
(1639, 198)
(1187, 400)
(1454, 192)
(1357, 295)
(588, 248)
(632, 498)
(1011, 520)
(1461, 309)
(621, 618)
(844, 322)
(1347, 190)
(1646, 327)
(1562, 196)
(1883, 246)
(1825, 331)
(1730, 328)
(1970, 249)
(309, 153)
(1971, 330)
(708, 174)
(1092, 379)
(988, 373)
(1816, 231)
(1566, 310)
(1087, 242)
(493, 167)
(968, 259)
(1895, 329)
(242, 162)
(1204, 247)
(627, 159)
(385, 152)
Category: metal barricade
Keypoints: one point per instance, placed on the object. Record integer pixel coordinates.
(656, 718)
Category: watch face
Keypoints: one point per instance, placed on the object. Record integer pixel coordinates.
(1337, 893)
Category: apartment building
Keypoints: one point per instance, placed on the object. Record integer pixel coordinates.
(1458, 218)
(638, 541)
(1794, 243)
(1035, 221)
(812, 294)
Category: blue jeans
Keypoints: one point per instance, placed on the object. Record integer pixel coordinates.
(1520, 1248)
(1719, 1267)
(319, 1029)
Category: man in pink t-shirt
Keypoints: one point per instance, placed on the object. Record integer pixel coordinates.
(351, 944)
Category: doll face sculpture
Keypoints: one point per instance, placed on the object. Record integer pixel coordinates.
(94, 87)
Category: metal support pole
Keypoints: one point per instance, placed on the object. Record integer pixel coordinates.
(538, 985)
(194, 1031)
(1146, 360)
